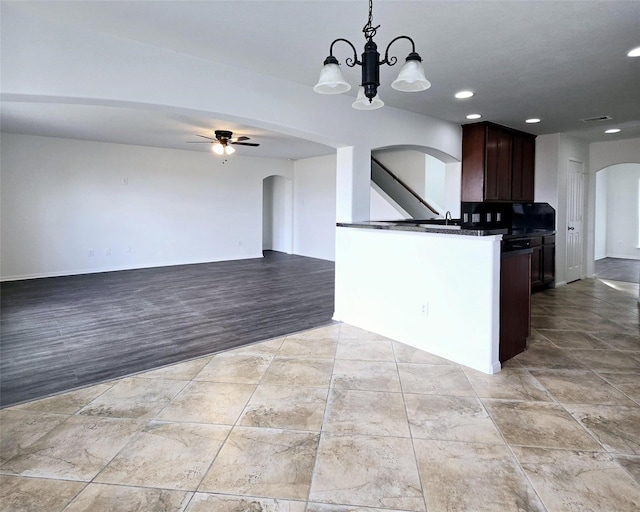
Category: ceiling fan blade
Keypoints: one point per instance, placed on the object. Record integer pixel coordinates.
(245, 144)
(204, 137)
(240, 139)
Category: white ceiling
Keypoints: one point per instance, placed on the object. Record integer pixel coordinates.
(560, 61)
(166, 129)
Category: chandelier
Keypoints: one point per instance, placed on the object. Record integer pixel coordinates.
(410, 79)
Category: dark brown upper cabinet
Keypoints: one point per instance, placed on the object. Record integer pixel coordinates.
(497, 163)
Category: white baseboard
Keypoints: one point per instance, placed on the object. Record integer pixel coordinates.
(63, 273)
(623, 256)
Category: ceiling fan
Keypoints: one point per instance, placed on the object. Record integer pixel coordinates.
(221, 145)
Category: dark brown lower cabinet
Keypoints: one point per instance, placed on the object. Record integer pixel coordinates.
(548, 259)
(543, 261)
(537, 258)
(515, 302)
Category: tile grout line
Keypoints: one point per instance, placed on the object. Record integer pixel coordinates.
(513, 455)
(232, 427)
(324, 416)
(413, 446)
(609, 454)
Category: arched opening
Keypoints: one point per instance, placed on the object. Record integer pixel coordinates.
(431, 176)
(617, 223)
(277, 214)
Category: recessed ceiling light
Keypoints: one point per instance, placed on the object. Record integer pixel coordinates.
(474, 116)
(464, 94)
(533, 120)
(634, 53)
(612, 130)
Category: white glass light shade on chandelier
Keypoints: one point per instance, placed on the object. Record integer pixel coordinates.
(411, 77)
(331, 81)
(363, 103)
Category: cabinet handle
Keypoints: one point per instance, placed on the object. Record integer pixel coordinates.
(571, 228)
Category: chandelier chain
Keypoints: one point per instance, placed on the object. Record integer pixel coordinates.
(369, 30)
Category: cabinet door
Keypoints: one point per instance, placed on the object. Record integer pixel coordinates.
(473, 162)
(548, 263)
(498, 165)
(523, 168)
(536, 266)
(515, 304)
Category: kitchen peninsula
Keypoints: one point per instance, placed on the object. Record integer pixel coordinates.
(433, 287)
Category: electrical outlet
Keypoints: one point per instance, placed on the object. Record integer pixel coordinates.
(424, 309)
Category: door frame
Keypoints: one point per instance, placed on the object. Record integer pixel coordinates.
(583, 192)
(280, 203)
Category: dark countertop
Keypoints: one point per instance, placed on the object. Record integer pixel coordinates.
(422, 228)
(528, 233)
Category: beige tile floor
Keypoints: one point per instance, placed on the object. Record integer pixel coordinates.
(338, 419)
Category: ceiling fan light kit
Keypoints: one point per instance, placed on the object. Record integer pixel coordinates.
(410, 79)
(220, 149)
(222, 144)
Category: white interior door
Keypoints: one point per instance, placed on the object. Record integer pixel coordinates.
(575, 214)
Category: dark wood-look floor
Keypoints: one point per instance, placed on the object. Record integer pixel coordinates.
(618, 269)
(66, 332)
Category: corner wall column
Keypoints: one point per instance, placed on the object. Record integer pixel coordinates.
(353, 184)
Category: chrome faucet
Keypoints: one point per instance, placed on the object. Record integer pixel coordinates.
(447, 217)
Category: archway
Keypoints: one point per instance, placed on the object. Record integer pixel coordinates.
(617, 222)
(433, 176)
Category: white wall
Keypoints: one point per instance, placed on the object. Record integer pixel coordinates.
(382, 207)
(546, 169)
(408, 165)
(435, 174)
(436, 292)
(453, 188)
(600, 230)
(553, 153)
(622, 210)
(601, 155)
(131, 206)
(439, 183)
(314, 194)
(47, 62)
(267, 213)
(605, 154)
